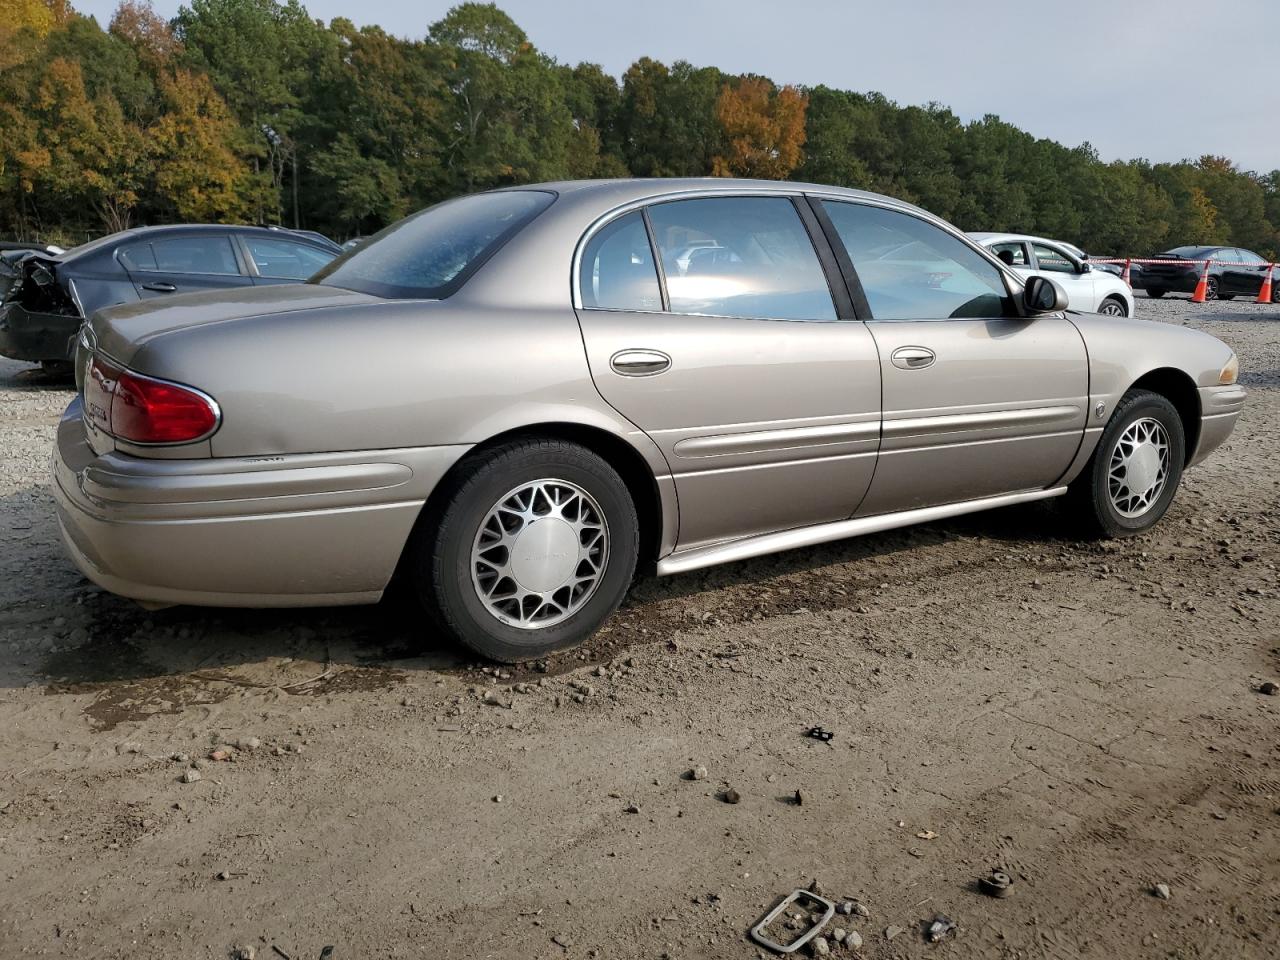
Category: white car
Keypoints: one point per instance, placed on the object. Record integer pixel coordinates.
(1088, 290)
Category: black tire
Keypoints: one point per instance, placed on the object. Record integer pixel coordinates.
(1124, 310)
(62, 369)
(1275, 291)
(441, 549)
(1089, 497)
(1156, 293)
(1211, 289)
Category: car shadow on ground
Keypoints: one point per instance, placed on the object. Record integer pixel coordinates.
(74, 638)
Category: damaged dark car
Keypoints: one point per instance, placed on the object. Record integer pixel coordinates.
(44, 297)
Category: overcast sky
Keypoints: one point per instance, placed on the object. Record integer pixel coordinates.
(1180, 80)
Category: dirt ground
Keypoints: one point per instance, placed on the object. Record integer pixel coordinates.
(1083, 715)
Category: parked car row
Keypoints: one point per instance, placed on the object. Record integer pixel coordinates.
(514, 399)
(49, 292)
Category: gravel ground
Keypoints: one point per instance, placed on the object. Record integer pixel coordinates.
(1085, 716)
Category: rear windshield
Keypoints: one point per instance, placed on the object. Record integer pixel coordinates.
(1187, 253)
(431, 254)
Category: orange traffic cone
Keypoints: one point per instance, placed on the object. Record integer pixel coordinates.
(1264, 295)
(1125, 274)
(1202, 286)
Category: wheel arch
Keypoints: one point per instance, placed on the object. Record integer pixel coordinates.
(655, 511)
(1180, 390)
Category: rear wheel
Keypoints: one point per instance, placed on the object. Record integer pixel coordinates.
(535, 547)
(1275, 291)
(1211, 289)
(1135, 469)
(1113, 307)
(1155, 293)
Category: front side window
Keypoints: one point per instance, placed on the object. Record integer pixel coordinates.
(740, 257)
(209, 254)
(913, 270)
(431, 254)
(286, 260)
(617, 270)
(1053, 261)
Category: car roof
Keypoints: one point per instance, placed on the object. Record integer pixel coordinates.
(633, 189)
(988, 238)
(142, 233)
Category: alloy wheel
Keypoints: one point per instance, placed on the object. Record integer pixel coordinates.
(540, 553)
(1112, 308)
(1139, 467)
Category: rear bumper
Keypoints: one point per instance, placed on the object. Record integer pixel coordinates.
(1219, 410)
(301, 530)
(36, 336)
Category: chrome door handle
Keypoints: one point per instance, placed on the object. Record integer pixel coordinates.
(159, 287)
(639, 363)
(913, 358)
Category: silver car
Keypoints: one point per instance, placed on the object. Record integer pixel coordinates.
(513, 399)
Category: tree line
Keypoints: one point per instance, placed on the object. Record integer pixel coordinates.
(252, 111)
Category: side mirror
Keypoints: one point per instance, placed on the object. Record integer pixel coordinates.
(1085, 268)
(1042, 295)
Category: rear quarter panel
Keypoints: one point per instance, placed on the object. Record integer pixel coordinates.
(386, 374)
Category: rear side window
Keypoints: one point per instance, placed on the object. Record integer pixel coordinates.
(208, 254)
(431, 254)
(286, 260)
(1014, 254)
(617, 271)
(913, 270)
(740, 257)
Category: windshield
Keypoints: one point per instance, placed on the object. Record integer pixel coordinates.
(1186, 252)
(431, 254)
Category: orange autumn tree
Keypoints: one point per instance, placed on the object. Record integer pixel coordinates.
(763, 129)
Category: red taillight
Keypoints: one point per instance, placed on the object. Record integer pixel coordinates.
(146, 410)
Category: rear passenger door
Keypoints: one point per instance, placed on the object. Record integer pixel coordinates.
(714, 325)
(978, 401)
(167, 265)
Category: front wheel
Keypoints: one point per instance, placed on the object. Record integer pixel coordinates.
(1135, 469)
(1113, 307)
(1155, 293)
(535, 547)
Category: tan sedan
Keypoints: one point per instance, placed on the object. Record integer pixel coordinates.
(512, 399)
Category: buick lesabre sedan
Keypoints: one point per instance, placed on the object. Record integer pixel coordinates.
(513, 399)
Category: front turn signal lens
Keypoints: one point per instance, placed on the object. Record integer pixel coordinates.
(1230, 371)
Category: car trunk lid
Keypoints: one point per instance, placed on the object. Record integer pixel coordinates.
(120, 332)
(117, 334)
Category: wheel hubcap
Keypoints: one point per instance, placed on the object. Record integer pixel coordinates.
(1112, 309)
(1139, 467)
(540, 553)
